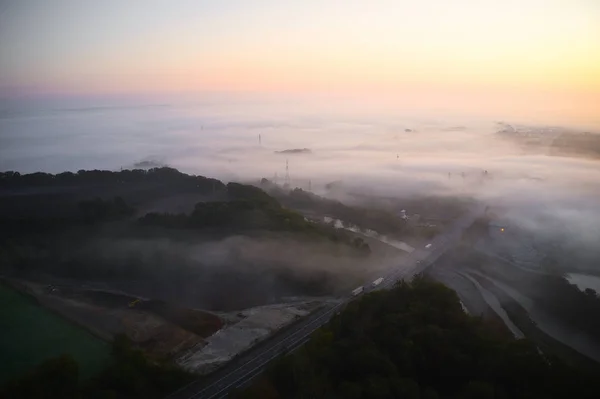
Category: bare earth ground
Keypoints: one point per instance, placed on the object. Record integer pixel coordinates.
(256, 324)
(199, 341)
(107, 314)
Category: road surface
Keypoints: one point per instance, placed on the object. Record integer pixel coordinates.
(243, 369)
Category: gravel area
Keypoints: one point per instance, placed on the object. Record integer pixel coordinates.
(256, 324)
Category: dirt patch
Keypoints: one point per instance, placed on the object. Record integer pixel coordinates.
(202, 323)
(254, 325)
(155, 335)
(162, 330)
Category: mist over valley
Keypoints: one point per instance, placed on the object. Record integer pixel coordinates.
(197, 230)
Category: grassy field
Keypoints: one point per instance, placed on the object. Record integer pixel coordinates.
(30, 334)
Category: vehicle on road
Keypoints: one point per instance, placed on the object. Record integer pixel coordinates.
(377, 282)
(428, 246)
(244, 369)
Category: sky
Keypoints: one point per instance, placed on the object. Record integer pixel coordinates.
(524, 59)
(535, 53)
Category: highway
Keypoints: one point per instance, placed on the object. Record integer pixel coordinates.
(244, 368)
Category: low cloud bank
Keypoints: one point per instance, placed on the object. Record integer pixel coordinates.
(383, 153)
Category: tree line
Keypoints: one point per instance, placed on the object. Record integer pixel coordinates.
(414, 341)
(129, 375)
(168, 175)
(249, 208)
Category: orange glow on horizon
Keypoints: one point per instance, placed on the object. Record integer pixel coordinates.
(536, 56)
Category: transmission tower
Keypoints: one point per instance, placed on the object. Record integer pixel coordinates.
(287, 173)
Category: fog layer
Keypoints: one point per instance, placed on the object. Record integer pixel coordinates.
(386, 152)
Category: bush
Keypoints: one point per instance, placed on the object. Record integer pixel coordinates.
(415, 341)
(130, 375)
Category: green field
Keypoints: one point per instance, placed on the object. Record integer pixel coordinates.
(30, 334)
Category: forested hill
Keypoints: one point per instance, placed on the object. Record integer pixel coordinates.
(415, 341)
(44, 195)
(163, 175)
(44, 216)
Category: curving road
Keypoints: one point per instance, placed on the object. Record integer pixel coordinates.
(243, 369)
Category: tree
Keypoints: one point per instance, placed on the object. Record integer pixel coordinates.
(414, 341)
(55, 378)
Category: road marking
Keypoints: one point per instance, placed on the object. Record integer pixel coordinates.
(264, 363)
(452, 235)
(273, 347)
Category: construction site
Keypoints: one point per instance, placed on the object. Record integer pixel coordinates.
(198, 340)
